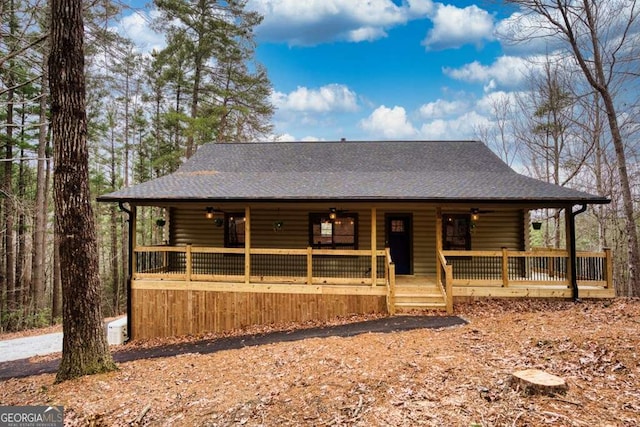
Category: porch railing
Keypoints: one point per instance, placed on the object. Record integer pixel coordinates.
(390, 274)
(445, 281)
(302, 266)
(518, 268)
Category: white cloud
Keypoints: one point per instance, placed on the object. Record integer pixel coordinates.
(526, 34)
(388, 123)
(506, 71)
(329, 98)
(442, 108)
(454, 27)
(488, 104)
(285, 137)
(311, 22)
(461, 127)
(366, 34)
(137, 27)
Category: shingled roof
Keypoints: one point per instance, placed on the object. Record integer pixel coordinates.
(451, 171)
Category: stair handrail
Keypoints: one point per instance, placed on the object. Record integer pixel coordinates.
(448, 282)
(390, 270)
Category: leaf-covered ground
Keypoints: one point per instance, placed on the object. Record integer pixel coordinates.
(453, 377)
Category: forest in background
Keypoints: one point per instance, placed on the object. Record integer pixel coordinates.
(147, 113)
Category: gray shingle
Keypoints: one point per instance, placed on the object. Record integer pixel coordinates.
(384, 170)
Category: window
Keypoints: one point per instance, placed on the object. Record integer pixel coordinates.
(456, 232)
(341, 232)
(234, 230)
(397, 225)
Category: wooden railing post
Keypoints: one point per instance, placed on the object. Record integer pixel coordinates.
(134, 262)
(165, 261)
(309, 265)
(609, 267)
(392, 289)
(505, 267)
(448, 281)
(188, 262)
(448, 274)
(374, 242)
(439, 265)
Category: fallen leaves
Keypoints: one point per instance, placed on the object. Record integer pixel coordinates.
(455, 376)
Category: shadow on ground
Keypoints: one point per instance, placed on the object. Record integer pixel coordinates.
(25, 368)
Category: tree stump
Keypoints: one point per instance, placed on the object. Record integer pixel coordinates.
(534, 381)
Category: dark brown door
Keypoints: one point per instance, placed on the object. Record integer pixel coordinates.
(399, 233)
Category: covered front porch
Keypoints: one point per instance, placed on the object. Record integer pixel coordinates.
(179, 289)
(538, 273)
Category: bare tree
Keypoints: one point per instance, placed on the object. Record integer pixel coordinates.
(599, 37)
(84, 350)
(499, 134)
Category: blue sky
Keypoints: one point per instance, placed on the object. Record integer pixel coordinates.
(379, 69)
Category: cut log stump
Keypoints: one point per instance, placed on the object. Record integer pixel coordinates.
(534, 381)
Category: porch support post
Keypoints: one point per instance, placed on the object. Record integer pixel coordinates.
(438, 245)
(609, 267)
(570, 217)
(131, 264)
(374, 243)
(247, 244)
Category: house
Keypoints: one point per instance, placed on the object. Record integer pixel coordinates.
(275, 232)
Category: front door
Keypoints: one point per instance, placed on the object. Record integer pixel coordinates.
(399, 233)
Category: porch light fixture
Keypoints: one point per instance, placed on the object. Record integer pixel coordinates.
(537, 225)
(332, 214)
(475, 214)
(211, 212)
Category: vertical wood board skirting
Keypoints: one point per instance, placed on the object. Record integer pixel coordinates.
(164, 313)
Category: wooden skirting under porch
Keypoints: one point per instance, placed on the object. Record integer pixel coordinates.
(173, 309)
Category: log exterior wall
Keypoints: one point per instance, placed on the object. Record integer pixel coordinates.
(162, 313)
(493, 231)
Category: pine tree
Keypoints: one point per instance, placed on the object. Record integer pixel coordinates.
(84, 350)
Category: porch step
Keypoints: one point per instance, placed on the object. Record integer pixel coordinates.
(422, 305)
(418, 297)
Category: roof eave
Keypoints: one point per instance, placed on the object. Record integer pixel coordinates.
(549, 202)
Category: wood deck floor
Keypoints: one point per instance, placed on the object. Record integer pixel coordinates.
(423, 293)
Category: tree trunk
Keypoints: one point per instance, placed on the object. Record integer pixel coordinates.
(9, 204)
(633, 247)
(22, 273)
(195, 94)
(589, 51)
(40, 215)
(56, 287)
(595, 74)
(113, 259)
(84, 347)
